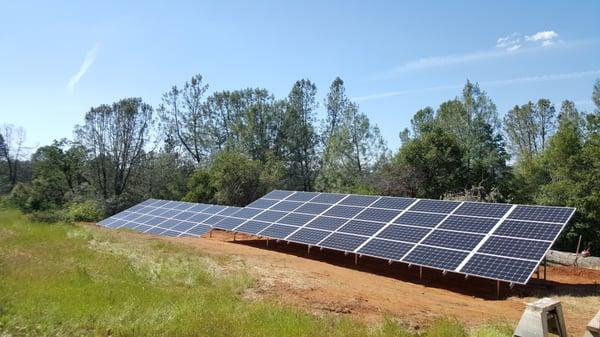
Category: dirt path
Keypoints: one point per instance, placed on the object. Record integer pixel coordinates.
(329, 282)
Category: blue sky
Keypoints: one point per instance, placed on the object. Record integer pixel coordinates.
(59, 59)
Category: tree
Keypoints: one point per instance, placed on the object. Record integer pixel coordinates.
(115, 137)
(430, 165)
(297, 140)
(12, 151)
(183, 113)
(68, 164)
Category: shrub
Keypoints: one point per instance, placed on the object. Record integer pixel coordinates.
(49, 216)
(88, 210)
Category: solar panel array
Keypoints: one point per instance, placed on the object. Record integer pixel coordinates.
(497, 241)
(169, 218)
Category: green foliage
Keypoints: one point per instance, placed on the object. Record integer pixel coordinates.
(200, 187)
(445, 327)
(89, 210)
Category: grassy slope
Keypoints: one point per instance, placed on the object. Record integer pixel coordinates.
(69, 280)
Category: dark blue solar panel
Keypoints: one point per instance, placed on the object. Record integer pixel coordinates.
(142, 228)
(214, 209)
(439, 258)
(169, 223)
(435, 206)
(326, 223)
(469, 224)
(262, 203)
(227, 223)
(386, 249)
(483, 209)
(420, 219)
(184, 215)
(129, 224)
(286, 206)
(311, 208)
(343, 211)
(198, 207)
(361, 227)
(158, 211)
(252, 227)
(278, 231)
(213, 220)
(169, 213)
(358, 200)
(169, 232)
(404, 233)
(373, 214)
(199, 230)
(198, 217)
(499, 268)
(455, 240)
(345, 242)
(229, 211)
(278, 195)
(541, 213)
(246, 213)
(182, 206)
(296, 219)
(183, 226)
(528, 230)
(154, 230)
(154, 221)
(393, 203)
(270, 216)
(308, 236)
(521, 248)
(302, 196)
(328, 198)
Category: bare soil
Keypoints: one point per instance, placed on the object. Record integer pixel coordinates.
(329, 282)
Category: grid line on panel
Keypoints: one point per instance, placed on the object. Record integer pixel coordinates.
(263, 211)
(432, 229)
(487, 236)
(387, 225)
(318, 215)
(336, 230)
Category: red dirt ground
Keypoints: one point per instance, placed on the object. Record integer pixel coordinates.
(329, 282)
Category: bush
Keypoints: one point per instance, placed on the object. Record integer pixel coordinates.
(51, 216)
(88, 210)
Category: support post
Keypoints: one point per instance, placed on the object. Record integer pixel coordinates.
(267, 242)
(355, 259)
(498, 289)
(308, 251)
(210, 233)
(537, 272)
(420, 272)
(234, 236)
(545, 268)
(577, 251)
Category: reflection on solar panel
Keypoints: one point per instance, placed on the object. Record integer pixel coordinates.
(479, 239)
(172, 218)
(503, 242)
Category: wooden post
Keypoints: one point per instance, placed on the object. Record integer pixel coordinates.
(234, 236)
(537, 271)
(420, 272)
(210, 233)
(267, 242)
(308, 251)
(545, 268)
(577, 251)
(355, 259)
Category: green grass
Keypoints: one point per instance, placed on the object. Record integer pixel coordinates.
(70, 280)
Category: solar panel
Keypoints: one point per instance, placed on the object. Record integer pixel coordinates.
(448, 235)
(497, 241)
(171, 218)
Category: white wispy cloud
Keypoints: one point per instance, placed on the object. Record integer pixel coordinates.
(509, 45)
(510, 42)
(542, 36)
(90, 57)
(511, 81)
